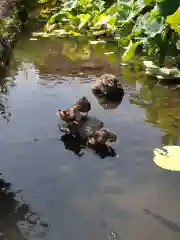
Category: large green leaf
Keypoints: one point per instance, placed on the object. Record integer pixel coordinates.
(174, 20)
(112, 10)
(57, 17)
(154, 28)
(130, 51)
(84, 18)
(70, 4)
(104, 20)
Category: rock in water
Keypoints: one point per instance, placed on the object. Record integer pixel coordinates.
(85, 128)
(108, 85)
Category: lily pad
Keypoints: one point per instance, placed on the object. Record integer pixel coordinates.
(168, 157)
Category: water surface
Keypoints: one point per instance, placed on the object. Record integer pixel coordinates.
(126, 197)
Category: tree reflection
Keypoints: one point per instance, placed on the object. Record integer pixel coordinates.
(16, 219)
(162, 108)
(3, 99)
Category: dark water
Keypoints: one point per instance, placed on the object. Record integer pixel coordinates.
(64, 196)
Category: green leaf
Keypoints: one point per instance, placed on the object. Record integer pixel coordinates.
(148, 2)
(69, 5)
(140, 4)
(154, 28)
(75, 34)
(57, 17)
(174, 20)
(84, 2)
(112, 10)
(178, 45)
(130, 51)
(84, 18)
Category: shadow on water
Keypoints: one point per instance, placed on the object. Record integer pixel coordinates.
(17, 221)
(77, 144)
(164, 221)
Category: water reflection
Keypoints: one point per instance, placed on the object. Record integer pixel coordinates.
(77, 144)
(162, 108)
(108, 104)
(17, 221)
(78, 56)
(74, 143)
(4, 110)
(71, 56)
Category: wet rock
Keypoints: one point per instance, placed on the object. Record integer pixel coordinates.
(86, 127)
(109, 86)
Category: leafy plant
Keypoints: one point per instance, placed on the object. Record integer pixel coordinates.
(150, 25)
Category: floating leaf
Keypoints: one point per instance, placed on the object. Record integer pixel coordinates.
(168, 157)
(129, 53)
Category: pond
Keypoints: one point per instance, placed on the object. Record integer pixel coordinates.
(91, 196)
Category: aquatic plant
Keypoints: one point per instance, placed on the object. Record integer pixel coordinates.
(168, 157)
(153, 26)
